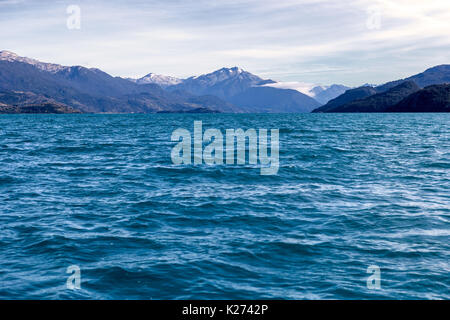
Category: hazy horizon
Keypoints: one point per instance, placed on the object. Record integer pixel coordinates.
(305, 41)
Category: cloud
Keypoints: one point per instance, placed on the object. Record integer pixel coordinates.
(306, 41)
(299, 86)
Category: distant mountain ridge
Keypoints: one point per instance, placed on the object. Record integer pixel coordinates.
(435, 75)
(323, 94)
(360, 99)
(379, 102)
(347, 97)
(320, 93)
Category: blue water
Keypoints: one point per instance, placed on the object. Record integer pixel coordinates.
(101, 192)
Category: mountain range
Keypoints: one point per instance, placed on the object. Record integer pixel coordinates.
(402, 95)
(28, 85)
(92, 90)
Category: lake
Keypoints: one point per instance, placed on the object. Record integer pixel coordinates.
(100, 192)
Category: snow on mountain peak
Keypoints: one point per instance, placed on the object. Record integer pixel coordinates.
(226, 74)
(12, 57)
(7, 55)
(230, 71)
(161, 80)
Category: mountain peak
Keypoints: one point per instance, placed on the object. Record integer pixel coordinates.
(161, 80)
(225, 74)
(230, 71)
(6, 54)
(223, 83)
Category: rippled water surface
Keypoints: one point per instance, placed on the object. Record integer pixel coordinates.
(101, 192)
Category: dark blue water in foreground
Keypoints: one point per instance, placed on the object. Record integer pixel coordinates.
(100, 192)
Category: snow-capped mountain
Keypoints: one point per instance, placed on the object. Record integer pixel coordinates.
(161, 80)
(224, 74)
(224, 83)
(49, 67)
(247, 91)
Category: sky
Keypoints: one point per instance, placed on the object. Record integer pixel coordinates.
(297, 42)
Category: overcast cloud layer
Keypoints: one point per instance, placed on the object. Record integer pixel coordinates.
(303, 40)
